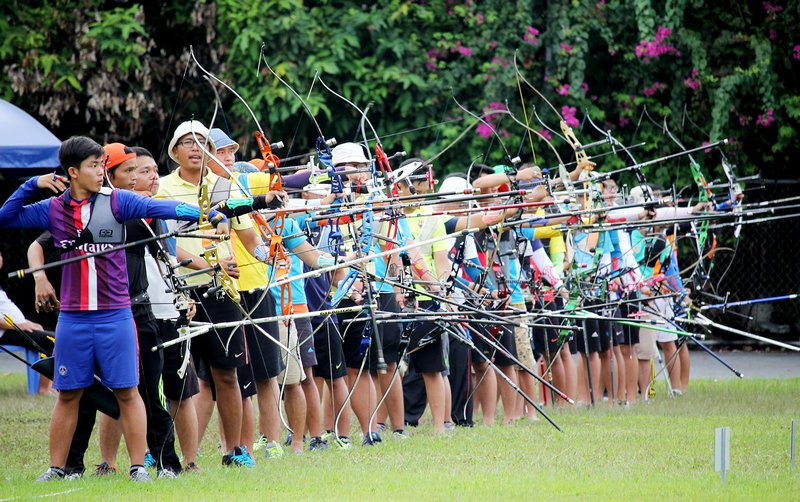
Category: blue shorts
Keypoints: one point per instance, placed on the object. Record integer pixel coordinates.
(101, 341)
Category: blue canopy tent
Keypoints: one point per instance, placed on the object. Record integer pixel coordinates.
(26, 146)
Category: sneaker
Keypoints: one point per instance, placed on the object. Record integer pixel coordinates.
(371, 439)
(344, 443)
(382, 428)
(328, 436)
(191, 467)
(449, 426)
(260, 443)
(103, 469)
(238, 457)
(399, 434)
(677, 392)
(74, 476)
(273, 450)
(51, 474)
(139, 474)
(149, 460)
(167, 473)
(317, 443)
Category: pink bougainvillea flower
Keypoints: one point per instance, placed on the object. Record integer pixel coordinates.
(568, 113)
(658, 47)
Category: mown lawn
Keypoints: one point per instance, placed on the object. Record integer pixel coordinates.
(658, 451)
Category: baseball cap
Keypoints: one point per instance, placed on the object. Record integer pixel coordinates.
(115, 154)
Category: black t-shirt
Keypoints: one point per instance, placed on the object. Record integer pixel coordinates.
(136, 230)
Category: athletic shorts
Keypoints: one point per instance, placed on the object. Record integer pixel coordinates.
(244, 377)
(353, 334)
(499, 334)
(545, 342)
(328, 348)
(589, 337)
(425, 349)
(305, 334)
(630, 334)
(219, 348)
(264, 352)
(176, 388)
(101, 340)
(605, 330)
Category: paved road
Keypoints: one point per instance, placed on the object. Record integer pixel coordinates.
(751, 364)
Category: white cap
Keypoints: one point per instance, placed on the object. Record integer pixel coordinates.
(348, 153)
(454, 184)
(188, 127)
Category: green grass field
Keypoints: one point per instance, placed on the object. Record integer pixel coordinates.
(658, 451)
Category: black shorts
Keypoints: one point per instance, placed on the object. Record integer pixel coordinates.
(305, 336)
(219, 348)
(502, 335)
(176, 388)
(630, 334)
(328, 348)
(589, 337)
(605, 329)
(545, 340)
(264, 353)
(425, 345)
(353, 334)
(244, 376)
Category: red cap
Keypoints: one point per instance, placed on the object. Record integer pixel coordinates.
(115, 155)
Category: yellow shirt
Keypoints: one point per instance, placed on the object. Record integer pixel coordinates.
(253, 274)
(174, 187)
(415, 225)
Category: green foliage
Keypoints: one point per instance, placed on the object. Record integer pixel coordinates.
(730, 70)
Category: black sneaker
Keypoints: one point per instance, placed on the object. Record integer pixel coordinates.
(51, 474)
(371, 439)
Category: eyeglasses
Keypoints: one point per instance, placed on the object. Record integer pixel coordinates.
(357, 165)
(188, 143)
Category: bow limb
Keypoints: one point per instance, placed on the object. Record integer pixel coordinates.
(580, 154)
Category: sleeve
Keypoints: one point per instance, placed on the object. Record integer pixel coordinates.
(545, 267)
(626, 215)
(450, 225)
(14, 214)
(257, 183)
(45, 239)
(290, 227)
(131, 206)
(440, 231)
(297, 180)
(673, 213)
